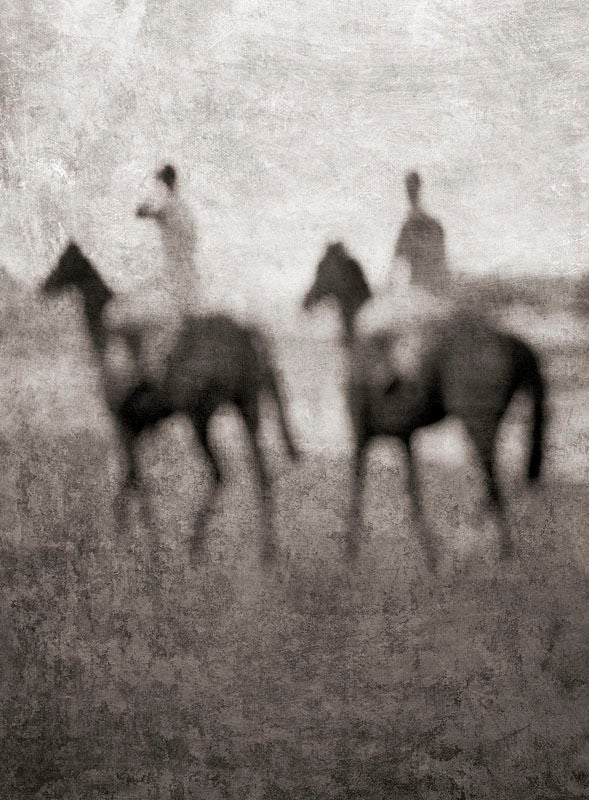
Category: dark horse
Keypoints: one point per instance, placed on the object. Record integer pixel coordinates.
(215, 361)
(470, 370)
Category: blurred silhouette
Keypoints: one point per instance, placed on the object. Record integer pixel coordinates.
(410, 306)
(582, 294)
(352, 284)
(469, 369)
(421, 243)
(161, 311)
(177, 229)
(214, 361)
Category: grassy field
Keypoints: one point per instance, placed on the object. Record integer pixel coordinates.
(131, 671)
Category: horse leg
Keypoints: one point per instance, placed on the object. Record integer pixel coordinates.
(424, 533)
(202, 432)
(355, 521)
(348, 329)
(358, 409)
(251, 417)
(131, 483)
(483, 433)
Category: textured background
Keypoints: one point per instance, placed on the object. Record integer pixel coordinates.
(130, 672)
(293, 122)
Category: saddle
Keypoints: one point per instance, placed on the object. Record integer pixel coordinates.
(397, 330)
(389, 359)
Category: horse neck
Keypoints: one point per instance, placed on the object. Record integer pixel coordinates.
(95, 295)
(349, 313)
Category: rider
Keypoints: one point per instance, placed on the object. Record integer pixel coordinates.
(178, 235)
(146, 325)
(421, 243)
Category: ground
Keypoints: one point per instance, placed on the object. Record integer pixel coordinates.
(133, 671)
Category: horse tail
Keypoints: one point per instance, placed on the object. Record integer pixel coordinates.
(272, 384)
(529, 377)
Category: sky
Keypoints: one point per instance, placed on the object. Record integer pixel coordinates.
(291, 124)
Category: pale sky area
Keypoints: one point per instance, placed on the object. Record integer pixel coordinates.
(293, 123)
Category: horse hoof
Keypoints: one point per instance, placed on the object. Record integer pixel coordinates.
(269, 550)
(507, 552)
(200, 524)
(431, 563)
(352, 550)
(197, 540)
(121, 519)
(196, 545)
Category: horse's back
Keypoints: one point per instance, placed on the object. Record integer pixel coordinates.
(396, 334)
(214, 333)
(215, 355)
(463, 364)
(402, 309)
(474, 362)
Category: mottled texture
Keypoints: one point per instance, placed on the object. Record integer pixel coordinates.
(131, 671)
(290, 124)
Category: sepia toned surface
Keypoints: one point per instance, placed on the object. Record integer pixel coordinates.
(132, 669)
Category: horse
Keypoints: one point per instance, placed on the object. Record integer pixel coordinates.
(214, 362)
(469, 369)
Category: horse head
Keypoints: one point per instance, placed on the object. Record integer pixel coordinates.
(341, 278)
(74, 271)
(70, 270)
